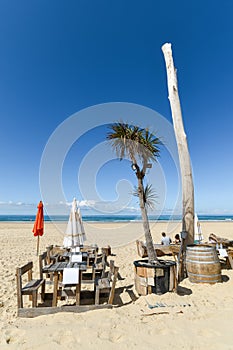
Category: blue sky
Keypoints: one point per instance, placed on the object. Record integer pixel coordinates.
(57, 58)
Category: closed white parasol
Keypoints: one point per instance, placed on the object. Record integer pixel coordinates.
(75, 234)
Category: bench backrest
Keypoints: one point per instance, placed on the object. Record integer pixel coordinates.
(43, 260)
(115, 270)
(141, 248)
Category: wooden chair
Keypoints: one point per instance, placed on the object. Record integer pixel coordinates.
(106, 250)
(99, 266)
(31, 287)
(43, 261)
(49, 251)
(53, 253)
(107, 284)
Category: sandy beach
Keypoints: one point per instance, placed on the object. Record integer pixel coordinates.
(198, 317)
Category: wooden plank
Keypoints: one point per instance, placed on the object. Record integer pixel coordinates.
(32, 286)
(46, 268)
(112, 291)
(19, 288)
(39, 311)
(150, 273)
(43, 259)
(141, 271)
(141, 289)
(25, 268)
(78, 288)
(230, 258)
(55, 288)
(53, 267)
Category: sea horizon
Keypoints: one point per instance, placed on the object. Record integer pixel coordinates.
(111, 218)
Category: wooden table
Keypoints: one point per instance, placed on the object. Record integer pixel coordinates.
(56, 270)
(89, 257)
(67, 255)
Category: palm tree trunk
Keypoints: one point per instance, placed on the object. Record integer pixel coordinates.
(152, 257)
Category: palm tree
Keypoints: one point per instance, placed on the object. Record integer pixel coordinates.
(141, 147)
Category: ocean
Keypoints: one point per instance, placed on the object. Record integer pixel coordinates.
(112, 218)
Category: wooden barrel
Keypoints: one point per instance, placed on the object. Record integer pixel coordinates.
(202, 264)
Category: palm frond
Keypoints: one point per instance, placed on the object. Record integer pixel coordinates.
(150, 195)
(133, 142)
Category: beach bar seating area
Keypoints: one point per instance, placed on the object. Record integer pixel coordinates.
(62, 274)
(203, 263)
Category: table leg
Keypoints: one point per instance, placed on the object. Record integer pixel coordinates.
(78, 288)
(55, 288)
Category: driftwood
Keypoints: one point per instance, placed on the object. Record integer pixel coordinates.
(181, 139)
(161, 313)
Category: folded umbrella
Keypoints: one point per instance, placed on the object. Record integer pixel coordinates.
(38, 228)
(75, 234)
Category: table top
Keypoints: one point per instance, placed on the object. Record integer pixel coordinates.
(60, 266)
(68, 254)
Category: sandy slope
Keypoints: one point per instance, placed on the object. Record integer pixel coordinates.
(200, 316)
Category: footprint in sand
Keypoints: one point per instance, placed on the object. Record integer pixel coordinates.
(13, 336)
(113, 337)
(116, 337)
(65, 337)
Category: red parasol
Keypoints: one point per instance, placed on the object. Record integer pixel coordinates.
(38, 228)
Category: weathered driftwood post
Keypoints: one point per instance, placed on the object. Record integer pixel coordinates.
(181, 139)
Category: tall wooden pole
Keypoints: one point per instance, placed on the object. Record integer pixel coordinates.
(181, 139)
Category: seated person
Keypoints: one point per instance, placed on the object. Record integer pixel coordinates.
(177, 239)
(165, 239)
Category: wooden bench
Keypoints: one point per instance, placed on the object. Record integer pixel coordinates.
(107, 284)
(31, 287)
(161, 250)
(230, 258)
(141, 249)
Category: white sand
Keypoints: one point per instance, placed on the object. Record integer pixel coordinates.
(206, 323)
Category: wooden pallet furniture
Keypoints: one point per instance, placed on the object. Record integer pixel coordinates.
(49, 251)
(161, 250)
(106, 250)
(107, 284)
(44, 260)
(225, 242)
(141, 249)
(56, 270)
(99, 266)
(31, 287)
(54, 253)
(230, 257)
